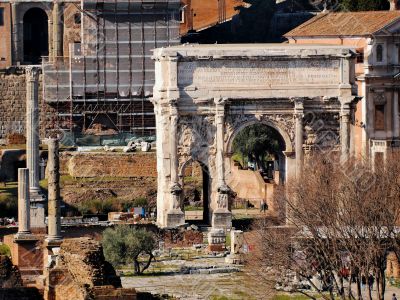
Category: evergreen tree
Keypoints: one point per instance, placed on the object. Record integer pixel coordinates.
(363, 5)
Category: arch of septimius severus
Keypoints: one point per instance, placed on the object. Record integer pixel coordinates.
(205, 94)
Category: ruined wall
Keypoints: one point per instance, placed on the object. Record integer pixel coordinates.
(13, 105)
(9, 274)
(83, 273)
(5, 35)
(109, 164)
(72, 26)
(392, 267)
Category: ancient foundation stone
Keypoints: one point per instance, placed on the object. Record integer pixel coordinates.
(83, 273)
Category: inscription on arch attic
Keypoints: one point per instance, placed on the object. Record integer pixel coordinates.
(259, 73)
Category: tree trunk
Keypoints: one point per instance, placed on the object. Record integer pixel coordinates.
(147, 264)
(358, 283)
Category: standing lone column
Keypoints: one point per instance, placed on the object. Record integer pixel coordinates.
(299, 139)
(23, 203)
(345, 132)
(54, 219)
(32, 132)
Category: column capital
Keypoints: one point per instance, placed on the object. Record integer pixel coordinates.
(219, 101)
(173, 102)
(298, 102)
(32, 73)
(174, 58)
(346, 100)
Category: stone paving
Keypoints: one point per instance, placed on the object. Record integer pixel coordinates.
(195, 286)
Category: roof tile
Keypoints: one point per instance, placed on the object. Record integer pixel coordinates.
(345, 24)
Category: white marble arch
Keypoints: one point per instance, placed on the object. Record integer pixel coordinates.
(205, 94)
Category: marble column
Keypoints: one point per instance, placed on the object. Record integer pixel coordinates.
(345, 132)
(23, 203)
(220, 123)
(299, 138)
(57, 30)
(32, 132)
(221, 218)
(54, 211)
(175, 216)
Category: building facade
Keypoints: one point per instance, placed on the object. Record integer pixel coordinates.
(375, 37)
(96, 62)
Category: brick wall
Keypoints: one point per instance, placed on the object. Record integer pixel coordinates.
(13, 106)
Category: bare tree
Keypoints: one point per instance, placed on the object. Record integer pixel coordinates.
(341, 223)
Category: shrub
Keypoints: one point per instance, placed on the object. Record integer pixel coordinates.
(124, 245)
(5, 250)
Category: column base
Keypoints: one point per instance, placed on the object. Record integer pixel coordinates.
(53, 241)
(222, 219)
(175, 218)
(37, 216)
(216, 240)
(25, 236)
(234, 259)
(36, 195)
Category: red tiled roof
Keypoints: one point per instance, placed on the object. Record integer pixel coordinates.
(345, 24)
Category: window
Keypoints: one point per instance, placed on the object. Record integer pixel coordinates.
(379, 53)
(77, 18)
(1, 16)
(360, 57)
(380, 117)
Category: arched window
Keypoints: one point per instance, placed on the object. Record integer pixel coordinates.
(36, 42)
(379, 53)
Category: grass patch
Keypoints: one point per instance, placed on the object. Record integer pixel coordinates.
(9, 200)
(218, 297)
(193, 208)
(5, 250)
(289, 297)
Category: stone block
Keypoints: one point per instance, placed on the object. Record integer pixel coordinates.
(222, 219)
(175, 218)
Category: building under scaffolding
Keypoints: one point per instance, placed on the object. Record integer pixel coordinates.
(107, 80)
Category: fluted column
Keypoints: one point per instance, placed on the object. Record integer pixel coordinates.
(220, 123)
(299, 138)
(221, 218)
(23, 202)
(175, 216)
(54, 211)
(345, 132)
(32, 132)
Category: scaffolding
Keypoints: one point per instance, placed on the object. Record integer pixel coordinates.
(108, 78)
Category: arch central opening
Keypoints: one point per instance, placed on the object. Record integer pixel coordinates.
(258, 166)
(196, 192)
(36, 38)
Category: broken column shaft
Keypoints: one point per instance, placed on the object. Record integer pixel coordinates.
(54, 218)
(23, 202)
